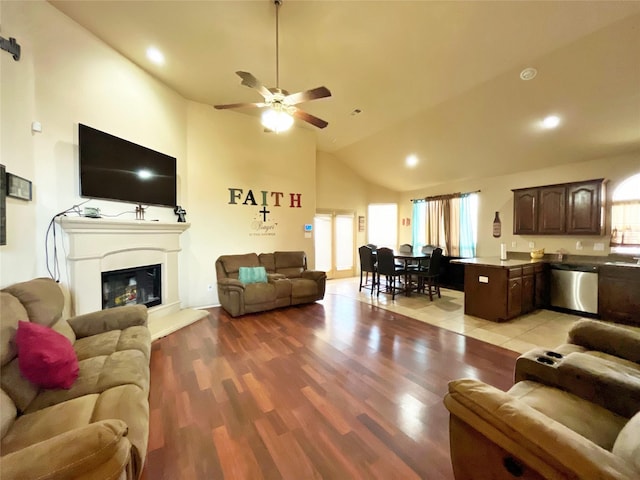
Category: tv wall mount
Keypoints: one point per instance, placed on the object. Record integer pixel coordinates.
(11, 46)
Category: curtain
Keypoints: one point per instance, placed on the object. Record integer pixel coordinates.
(449, 222)
(467, 230)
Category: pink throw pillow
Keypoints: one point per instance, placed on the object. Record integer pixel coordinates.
(46, 357)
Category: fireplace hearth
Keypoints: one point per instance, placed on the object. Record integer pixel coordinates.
(131, 286)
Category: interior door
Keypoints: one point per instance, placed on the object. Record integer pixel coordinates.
(335, 243)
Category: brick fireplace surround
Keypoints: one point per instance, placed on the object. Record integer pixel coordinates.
(102, 245)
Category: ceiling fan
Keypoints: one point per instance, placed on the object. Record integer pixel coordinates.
(281, 106)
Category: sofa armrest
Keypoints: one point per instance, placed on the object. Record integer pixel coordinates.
(313, 275)
(98, 450)
(117, 318)
(230, 283)
(603, 337)
(539, 442)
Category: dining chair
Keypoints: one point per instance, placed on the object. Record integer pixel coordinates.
(430, 277)
(391, 271)
(367, 266)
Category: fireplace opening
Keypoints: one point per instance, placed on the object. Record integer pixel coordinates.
(130, 286)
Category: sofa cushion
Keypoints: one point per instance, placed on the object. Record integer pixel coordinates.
(98, 374)
(232, 263)
(252, 275)
(592, 421)
(291, 264)
(302, 287)
(132, 338)
(257, 293)
(8, 413)
(45, 357)
(41, 297)
(268, 261)
(11, 311)
(21, 390)
(627, 444)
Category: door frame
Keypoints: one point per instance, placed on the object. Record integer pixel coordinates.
(334, 273)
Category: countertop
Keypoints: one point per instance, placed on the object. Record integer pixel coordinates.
(496, 262)
(519, 262)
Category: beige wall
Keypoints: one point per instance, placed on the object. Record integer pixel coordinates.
(67, 76)
(496, 195)
(230, 150)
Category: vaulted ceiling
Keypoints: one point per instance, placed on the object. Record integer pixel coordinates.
(435, 79)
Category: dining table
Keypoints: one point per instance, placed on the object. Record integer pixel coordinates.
(409, 259)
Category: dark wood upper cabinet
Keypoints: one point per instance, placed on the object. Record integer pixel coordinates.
(525, 205)
(564, 209)
(584, 208)
(552, 211)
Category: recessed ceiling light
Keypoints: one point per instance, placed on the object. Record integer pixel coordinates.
(528, 73)
(552, 121)
(155, 55)
(411, 161)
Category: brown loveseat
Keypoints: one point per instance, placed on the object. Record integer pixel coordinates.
(98, 428)
(574, 412)
(288, 282)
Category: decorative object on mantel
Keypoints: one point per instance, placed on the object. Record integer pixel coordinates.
(181, 212)
(11, 46)
(497, 226)
(140, 212)
(18, 187)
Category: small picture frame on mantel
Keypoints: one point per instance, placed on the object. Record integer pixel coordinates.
(18, 187)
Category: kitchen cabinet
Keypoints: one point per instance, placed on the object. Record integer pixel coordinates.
(541, 285)
(619, 294)
(525, 203)
(563, 209)
(584, 208)
(552, 210)
(499, 291)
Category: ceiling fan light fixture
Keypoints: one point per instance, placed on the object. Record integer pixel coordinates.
(276, 120)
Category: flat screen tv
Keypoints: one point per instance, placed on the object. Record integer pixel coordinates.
(115, 169)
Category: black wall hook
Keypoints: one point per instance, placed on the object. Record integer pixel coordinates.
(11, 46)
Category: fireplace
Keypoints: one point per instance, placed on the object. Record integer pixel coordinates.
(97, 246)
(131, 286)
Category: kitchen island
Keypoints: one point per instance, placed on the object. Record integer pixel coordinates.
(500, 290)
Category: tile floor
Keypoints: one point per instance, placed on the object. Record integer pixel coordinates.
(542, 328)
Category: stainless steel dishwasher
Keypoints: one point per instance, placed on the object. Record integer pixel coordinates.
(574, 287)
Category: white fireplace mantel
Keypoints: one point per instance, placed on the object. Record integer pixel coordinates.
(99, 245)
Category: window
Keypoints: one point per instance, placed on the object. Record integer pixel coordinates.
(449, 222)
(383, 225)
(625, 217)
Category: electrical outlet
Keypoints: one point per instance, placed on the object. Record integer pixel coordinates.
(598, 246)
(578, 245)
(514, 244)
(210, 288)
(532, 244)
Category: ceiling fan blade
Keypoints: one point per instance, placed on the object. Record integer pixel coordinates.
(249, 80)
(240, 105)
(307, 117)
(300, 97)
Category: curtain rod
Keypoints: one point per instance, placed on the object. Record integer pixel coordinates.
(443, 197)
